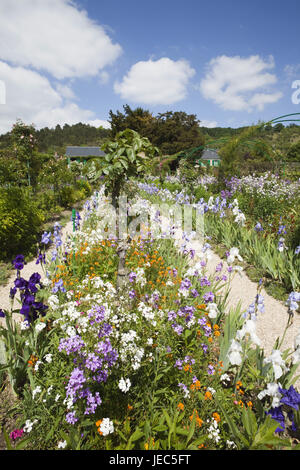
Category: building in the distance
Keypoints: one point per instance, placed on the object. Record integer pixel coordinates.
(82, 154)
(210, 157)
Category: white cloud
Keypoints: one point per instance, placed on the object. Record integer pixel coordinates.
(292, 70)
(232, 83)
(156, 82)
(54, 36)
(209, 124)
(31, 98)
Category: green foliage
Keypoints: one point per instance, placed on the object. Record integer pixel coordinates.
(20, 221)
(171, 132)
(293, 153)
(127, 156)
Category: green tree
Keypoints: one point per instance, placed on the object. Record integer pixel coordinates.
(128, 155)
(293, 154)
(24, 143)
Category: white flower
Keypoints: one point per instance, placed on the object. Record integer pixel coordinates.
(53, 302)
(37, 365)
(124, 385)
(234, 355)
(248, 329)
(107, 426)
(61, 444)
(271, 391)
(36, 391)
(225, 378)
(234, 253)
(29, 425)
(24, 325)
(240, 219)
(40, 326)
(48, 357)
(231, 444)
(213, 310)
(277, 362)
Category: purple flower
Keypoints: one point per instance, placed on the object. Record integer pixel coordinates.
(41, 258)
(132, 276)
(185, 284)
(277, 414)
(2, 313)
(177, 328)
(12, 292)
(194, 293)
(219, 267)
(46, 238)
(210, 370)
(72, 344)
(132, 294)
(71, 418)
(208, 297)
(290, 397)
(258, 227)
(76, 381)
(20, 283)
(172, 315)
(59, 285)
(19, 262)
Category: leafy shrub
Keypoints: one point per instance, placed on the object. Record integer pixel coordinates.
(201, 192)
(20, 221)
(85, 186)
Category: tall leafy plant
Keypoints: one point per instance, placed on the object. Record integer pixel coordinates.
(127, 156)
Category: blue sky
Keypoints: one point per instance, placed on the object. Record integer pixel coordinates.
(231, 63)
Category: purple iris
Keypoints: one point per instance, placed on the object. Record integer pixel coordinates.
(19, 262)
(208, 297)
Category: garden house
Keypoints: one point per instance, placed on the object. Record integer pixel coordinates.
(210, 157)
(82, 154)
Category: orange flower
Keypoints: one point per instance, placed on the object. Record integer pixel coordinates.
(217, 417)
(196, 385)
(208, 395)
(199, 421)
(98, 424)
(180, 406)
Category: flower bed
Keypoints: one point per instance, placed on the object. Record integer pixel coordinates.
(157, 365)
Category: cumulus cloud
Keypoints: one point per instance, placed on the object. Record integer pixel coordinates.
(163, 81)
(31, 98)
(238, 84)
(209, 124)
(54, 36)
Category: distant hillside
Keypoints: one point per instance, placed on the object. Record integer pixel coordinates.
(58, 138)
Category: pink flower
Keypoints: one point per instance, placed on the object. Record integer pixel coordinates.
(16, 434)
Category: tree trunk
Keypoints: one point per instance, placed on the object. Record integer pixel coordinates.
(122, 273)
